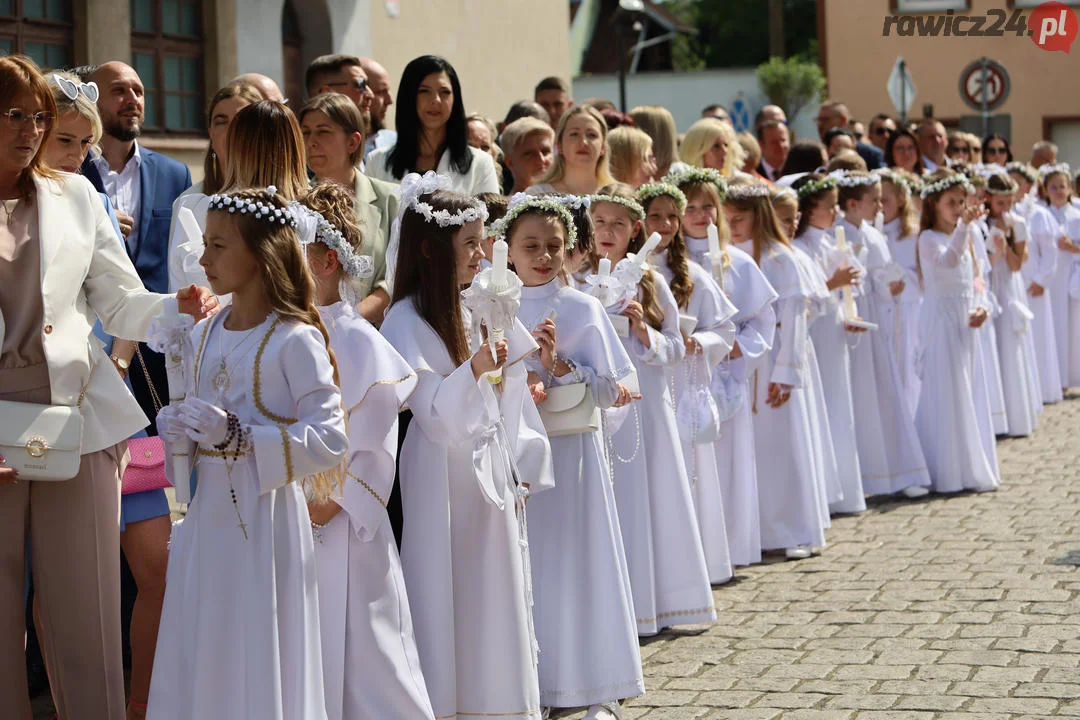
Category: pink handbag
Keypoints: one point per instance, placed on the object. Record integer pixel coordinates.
(146, 468)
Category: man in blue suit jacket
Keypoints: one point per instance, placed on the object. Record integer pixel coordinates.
(142, 186)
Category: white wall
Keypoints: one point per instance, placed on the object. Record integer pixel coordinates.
(686, 93)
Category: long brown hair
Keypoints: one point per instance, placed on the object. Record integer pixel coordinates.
(212, 177)
(808, 202)
(650, 301)
(767, 231)
(18, 74)
(427, 272)
(266, 148)
(557, 171)
(909, 217)
(682, 285)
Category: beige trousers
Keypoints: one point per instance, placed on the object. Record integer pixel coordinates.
(74, 533)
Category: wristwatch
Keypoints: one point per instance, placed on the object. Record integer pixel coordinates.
(121, 364)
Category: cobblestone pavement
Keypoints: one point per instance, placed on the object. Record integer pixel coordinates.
(948, 608)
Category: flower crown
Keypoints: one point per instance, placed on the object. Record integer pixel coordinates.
(652, 190)
(944, 184)
(414, 186)
(988, 171)
(522, 202)
(316, 228)
(254, 207)
(1047, 170)
(1024, 170)
(894, 177)
(815, 186)
(747, 191)
(685, 175)
(632, 205)
(846, 179)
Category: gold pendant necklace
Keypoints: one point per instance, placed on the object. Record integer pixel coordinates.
(222, 379)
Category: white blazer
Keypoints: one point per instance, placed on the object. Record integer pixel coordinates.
(85, 274)
(481, 177)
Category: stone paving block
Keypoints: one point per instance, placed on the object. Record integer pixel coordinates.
(728, 698)
(1064, 691)
(894, 715)
(819, 715)
(873, 672)
(747, 714)
(1032, 706)
(944, 672)
(990, 689)
(979, 658)
(934, 703)
(861, 702)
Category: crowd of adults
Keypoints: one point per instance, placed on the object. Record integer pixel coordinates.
(89, 120)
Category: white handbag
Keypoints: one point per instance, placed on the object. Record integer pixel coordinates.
(42, 442)
(569, 410)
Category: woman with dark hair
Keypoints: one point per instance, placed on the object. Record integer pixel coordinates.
(805, 156)
(432, 132)
(61, 268)
(996, 150)
(902, 151)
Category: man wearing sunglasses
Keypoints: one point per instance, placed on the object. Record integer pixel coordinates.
(881, 129)
(343, 74)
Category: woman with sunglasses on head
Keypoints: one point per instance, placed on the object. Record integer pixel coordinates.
(902, 152)
(995, 150)
(61, 268)
(433, 133)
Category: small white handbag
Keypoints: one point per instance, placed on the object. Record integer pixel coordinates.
(569, 410)
(42, 442)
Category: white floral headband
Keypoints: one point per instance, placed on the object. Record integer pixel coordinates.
(815, 186)
(552, 205)
(959, 179)
(747, 191)
(846, 179)
(316, 228)
(255, 208)
(1024, 170)
(414, 186)
(988, 171)
(681, 177)
(632, 205)
(894, 177)
(1047, 170)
(652, 190)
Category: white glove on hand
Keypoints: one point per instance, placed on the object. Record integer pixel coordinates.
(168, 425)
(204, 423)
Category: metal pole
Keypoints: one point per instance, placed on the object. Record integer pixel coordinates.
(985, 72)
(903, 92)
(620, 49)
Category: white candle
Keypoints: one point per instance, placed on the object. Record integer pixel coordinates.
(845, 292)
(650, 246)
(605, 267)
(879, 222)
(498, 263)
(714, 242)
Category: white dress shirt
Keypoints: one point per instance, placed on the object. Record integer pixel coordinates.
(124, 188)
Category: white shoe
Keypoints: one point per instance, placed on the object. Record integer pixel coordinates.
(915, 491)
(607, 711)
(799, 553)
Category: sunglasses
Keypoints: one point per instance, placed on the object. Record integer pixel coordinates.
(882, 131)
(17, 118)
(71, 89)
(360, 85)
(960, 149)
(995, 151)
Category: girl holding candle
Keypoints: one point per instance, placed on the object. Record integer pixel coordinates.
(789, 467)
(584, 613)
(890, 457)
(946, 418)
(464, 548)
(706, 234)
(709, 333)
(668, 574)
(831, 333)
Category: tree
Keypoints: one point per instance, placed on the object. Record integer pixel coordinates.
(791, 83)
(735, 33)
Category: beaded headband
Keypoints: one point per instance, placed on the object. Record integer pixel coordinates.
(652, 190)
(632, 205)
(747, 191)
(685, 175)
(522, 202)
(255, 208)
(1024, 170)
(815, 186)
(1047, 170)
(846, 179)
(935, 188)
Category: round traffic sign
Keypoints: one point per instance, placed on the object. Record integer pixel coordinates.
(995, 86)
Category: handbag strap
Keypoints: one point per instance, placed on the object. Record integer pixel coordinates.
(149, 383)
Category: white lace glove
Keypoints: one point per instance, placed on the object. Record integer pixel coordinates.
(204, 423)
(168, 425)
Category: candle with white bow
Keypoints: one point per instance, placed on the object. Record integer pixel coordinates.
(170, 334)
(846, 293)
(500, 252)
(716, 254)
